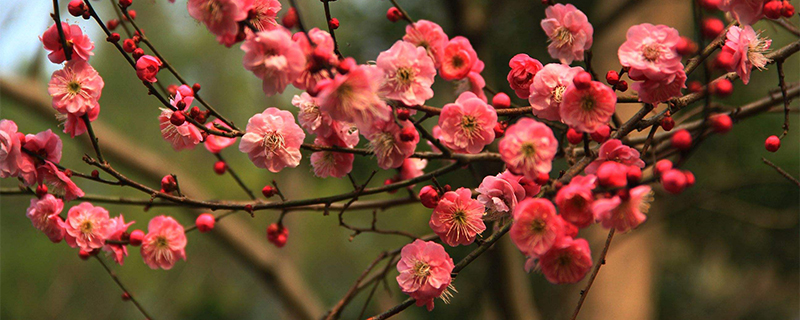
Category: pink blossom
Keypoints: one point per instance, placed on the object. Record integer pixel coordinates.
(80, 43)
(499, 194)
(569, 31)
(520, 78)
(567, 262)
(147, 68)
(412, 168)
(316, 58)
(467, 124)
(430, 36)
(263, 14)
(276, 59)
(614, 150)
(272, 140)
(11, 156)
(44, 214)
(86, 227)
(528, 148)
(588, 109)
(408, 73)
(116, 228)
(649, 52)
(425, 270)
(746, 12)
(575, 200)
(747, 48)
(626, 213)
(547, 89)
(184, 136)
(76, 89)
(458, 59)
(58, 181)
(536, 226)
(654, 91)
(458, 218)
(215, 144)
(46, 144)
(329, 163)
(221, 17)
(164, 243)
(353, 97)
(387, 145)
(74, 125)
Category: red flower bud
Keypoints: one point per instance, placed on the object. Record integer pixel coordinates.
(429, 197)
(205, 222)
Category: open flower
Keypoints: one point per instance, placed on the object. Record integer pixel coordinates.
(11, 156)
(624, 213)
(58, 181)
(164, 243)
(214, 143)
(263, 14)
(569, 31)
(747, 48)
(536, 226)
(430, 36)
(459, 59)
(408, 73)
(567, 262)
(425, 270)
(44, 214)
(46, 144)
(520, 78)
(614, 150)
(353, 97)
(276, 59)
(588, 109)
(649, 52)
(746, 12)
(272, 140)
(547, 89)
(116, 228)
(386, 142)
(316, 57)
(221, 17)
(79, 43)
(468, 124)
(87, 226)
(184, 136)
(76, 88)
(575, 200)
(458, 218)
(528, 148)
(500, 194)
(657, 91)
(329, 163)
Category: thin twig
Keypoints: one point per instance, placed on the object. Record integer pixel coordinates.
(57, 17)
(781, 171)
(600, 262)
(121, 286)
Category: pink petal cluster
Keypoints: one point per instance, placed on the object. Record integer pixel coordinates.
(467, 125)
(44, 214)
(458, 218)
(58, 181)
(536, 226)
(386, 143)
(547, 89)
(147, 68)
(13, 162)
(528, 148)
(317, 58)
(520, 78)
(276, 59)
(649, 52)
(408, 73)
(624, 213)
(614, 150)
(458, 59)
(329, 163)
(567, 262)
(87, 227)
(353, 97)
(425, 269)
(79, 43)
(746, 12)
(500, 194)
(272, 140)
(588, 109)
(46, 144)
(412, 168)
(74, 125)
(263, 14)
(186, 135)
(221, 17)
(430, 36)
(575, 200)
(164, 243)
(747, 48)
(214, 143)
(313, 120)
(116, 229)
(569, 31)
(76, 88)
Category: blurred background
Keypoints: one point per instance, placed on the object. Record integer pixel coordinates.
(726, 249)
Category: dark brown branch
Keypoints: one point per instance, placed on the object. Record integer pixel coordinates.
(781, 171)
(57, 18)
(600, 262)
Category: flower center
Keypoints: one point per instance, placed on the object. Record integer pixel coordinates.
(469, 123)
(272, 142)
(405, 76)
(74, 87)
(460, 217)
(564, 260)
(558, 93)
(162, 242)
(214, 10)
(421, 269)
(563, 37)
(86, 227)
(538, 226)
(528, 150)
(651, 52)
(382, 144)
(587, 103)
